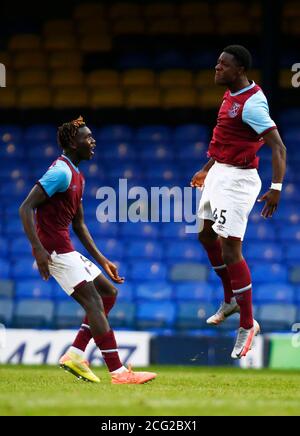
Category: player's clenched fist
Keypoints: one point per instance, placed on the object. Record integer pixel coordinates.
(198, 179)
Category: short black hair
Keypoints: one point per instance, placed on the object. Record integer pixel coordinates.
(241, 55)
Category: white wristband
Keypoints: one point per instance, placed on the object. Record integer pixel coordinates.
(276, 186)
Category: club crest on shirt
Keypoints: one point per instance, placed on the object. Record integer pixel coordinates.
(234, 110)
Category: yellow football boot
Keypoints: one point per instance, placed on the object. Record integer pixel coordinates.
(73, 363)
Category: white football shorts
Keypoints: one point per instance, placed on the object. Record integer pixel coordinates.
(227, 199)
(71, 269)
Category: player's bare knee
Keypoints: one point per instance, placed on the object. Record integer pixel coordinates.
(114, 292)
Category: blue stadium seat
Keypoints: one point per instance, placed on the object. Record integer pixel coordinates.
(126, 291)
(139, 230)
(297, 295)
(122, 315)
(4, 269)
(16, 188)
(155, 314)
(6, 311)
(274, 292)
(274, 317)
(289, 117)
(97, 229)
(140, 270)
(94, 171)
(269, 272)
(25, 268)
(91, 189)
(193, 315)
(118, 150)
(218, 290)
(175, 231)
(194, 291)
(134, 60)
(145, 249)
(57, 292)
(188, 250)
(12, 210)
(14, 227)
(190, 132)
(292, 134)
(290, 192)
(12, 166)
(124, 170)
(270, 252)
(10, 133)
(33, 289)
(192, 150)
(292, 252)
(3, 247)
(289, 233)
(46, 150)
(187, 271)
(154, 290)
(19, 246)
(11, 150)
(287, 212)
(156, 152)
(68, 314)
(261, 232)
(154, 134)
(110, 247)
(6, 288)
(33, 313)
(203, 59)
(115, 132)
(40, 132)
(170, 59)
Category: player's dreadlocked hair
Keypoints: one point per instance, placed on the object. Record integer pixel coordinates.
(241, 54)
(68, 131)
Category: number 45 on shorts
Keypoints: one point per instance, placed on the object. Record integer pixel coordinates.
(220, 219)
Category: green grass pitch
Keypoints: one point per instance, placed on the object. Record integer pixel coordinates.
(46, 390)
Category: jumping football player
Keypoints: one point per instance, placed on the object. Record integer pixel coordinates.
(57, 200)
(231, 185)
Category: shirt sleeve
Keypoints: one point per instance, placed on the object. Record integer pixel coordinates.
(256, 114)
(56, 179)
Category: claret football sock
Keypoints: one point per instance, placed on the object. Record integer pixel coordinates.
(109, 350)
(214, 253)
(242, 288)
(84, 335)
(108, 303)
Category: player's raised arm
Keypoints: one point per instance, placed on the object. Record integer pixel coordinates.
(35, 198)
(272, 197)
(87, 241)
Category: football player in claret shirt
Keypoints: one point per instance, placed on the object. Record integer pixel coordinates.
(231, 184)
(57, 200)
